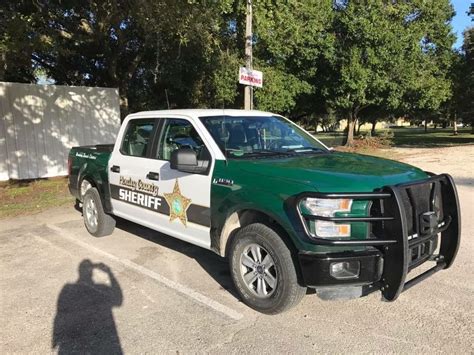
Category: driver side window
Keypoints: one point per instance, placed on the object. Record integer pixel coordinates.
(178, 133)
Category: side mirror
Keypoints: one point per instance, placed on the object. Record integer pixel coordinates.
(185, 160)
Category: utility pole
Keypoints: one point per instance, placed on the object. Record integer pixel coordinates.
(248, 90)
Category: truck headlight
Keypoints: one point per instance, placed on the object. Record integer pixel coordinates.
(327, 208)
(325, 229)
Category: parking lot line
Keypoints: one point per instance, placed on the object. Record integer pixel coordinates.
(155, 276)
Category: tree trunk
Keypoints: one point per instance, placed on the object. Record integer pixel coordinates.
(426, 126)
(350, 131)
(3, 66)
(455, 125)
(372, 131)
(123, 104)
(359, 124)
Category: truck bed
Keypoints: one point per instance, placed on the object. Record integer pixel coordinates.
(91, 160)
(101, 148)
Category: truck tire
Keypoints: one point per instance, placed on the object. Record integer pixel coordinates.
(97, 222)
(263, 270)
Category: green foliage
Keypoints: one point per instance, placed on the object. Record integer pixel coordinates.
(389, 56)
(464, 81)
(224, 80)
(16, 44)
(289, 36)
(322, 60)
(279, 90)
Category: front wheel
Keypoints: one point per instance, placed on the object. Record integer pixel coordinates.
(263, 270)
(97, 222)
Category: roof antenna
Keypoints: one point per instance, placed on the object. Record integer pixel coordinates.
(225, 141)
(167, 100)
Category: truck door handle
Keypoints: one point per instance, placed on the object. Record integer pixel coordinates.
(115, 169)
(153, 176)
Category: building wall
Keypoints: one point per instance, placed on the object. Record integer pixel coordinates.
(40, 123)
(399, 122)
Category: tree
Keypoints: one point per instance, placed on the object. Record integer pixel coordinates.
(195, 58)
(144, 48)
(465, 103)
(452, 109)
(289, 36)
(94, 43)
(374, 114)
(389, 55)
(321, 59)
(16, 41)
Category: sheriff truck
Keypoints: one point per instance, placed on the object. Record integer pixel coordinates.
(288, 212)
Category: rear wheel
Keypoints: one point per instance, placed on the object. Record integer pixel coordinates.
(97, 222)
(263, 270)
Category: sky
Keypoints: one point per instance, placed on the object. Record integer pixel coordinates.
(461, 21)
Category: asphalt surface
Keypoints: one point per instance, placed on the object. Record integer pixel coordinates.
(138, 291)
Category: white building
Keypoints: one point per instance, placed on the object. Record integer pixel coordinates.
(40, 123)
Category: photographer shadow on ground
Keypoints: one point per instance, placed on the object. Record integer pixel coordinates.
(84, 321)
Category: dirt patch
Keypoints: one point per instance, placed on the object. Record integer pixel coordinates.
(457, 161)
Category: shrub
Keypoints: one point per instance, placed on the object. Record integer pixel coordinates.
(383, 140)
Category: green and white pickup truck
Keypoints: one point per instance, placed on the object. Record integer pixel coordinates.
(288, 212)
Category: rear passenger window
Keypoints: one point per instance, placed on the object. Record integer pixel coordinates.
(137, 137)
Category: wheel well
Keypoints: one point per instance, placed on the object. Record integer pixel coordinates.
(240, 219)
(104, 197)
(83, 187)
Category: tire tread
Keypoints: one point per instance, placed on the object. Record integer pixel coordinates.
(105, 222)
(293, 293)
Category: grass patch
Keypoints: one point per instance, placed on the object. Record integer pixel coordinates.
(411, 137)
(331, 139)
(440, 137)
(32, 196)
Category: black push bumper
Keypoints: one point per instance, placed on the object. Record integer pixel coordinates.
(316, 267)
(406, 221)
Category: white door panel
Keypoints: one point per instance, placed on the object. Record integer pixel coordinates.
(177, 204)
(194, 184)
(199, 237)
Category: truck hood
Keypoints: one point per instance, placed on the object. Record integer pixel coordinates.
(334, 172)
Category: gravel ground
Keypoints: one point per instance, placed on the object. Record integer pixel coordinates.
(137, 291)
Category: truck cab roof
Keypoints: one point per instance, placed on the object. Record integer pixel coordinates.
(203, 113)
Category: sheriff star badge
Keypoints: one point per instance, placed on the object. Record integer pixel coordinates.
(178, 204)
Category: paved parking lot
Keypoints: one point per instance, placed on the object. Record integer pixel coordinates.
(138, 291)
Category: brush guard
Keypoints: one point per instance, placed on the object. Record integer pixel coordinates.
(407, 221)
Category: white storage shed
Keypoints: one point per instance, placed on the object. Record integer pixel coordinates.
(40, 123)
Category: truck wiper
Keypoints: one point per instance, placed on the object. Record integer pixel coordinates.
(266, 152)
(306, 150)
(263, 153)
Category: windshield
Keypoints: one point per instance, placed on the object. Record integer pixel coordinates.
(251, 136)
